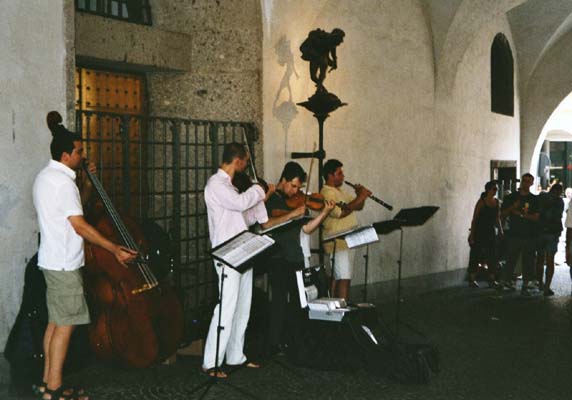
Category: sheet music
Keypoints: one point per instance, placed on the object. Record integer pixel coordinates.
(301, 289)
(362, 237)
(263, 231)
(242, 248)
(332, 236)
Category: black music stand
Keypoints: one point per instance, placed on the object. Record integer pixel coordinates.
(242, 266)
(405, 217)
(381, 228)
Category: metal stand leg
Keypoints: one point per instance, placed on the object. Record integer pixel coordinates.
(398, 305)
(399, 262)
(333, 270)
(366, 257)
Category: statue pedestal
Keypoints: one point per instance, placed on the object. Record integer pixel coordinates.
(322, 103)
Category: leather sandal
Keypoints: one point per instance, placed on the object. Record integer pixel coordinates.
(247, 364)
(64, 393)
(57, 394)
(39, 388)
(214, 374)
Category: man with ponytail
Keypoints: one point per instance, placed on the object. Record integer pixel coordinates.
(60, 257)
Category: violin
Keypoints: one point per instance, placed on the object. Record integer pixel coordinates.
(242, 181)
(313, 201)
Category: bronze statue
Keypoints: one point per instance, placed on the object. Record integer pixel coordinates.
(319, 49)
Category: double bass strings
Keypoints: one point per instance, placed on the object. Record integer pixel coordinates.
(148, 276)
(127, 238)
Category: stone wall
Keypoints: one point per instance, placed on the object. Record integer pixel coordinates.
(202, 58)
(34, 67)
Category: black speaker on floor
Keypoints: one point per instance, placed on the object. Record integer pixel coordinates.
(363, 341)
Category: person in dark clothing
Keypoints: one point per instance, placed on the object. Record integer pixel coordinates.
(551, 208)
(483, 236)
(289, 258)
(521, 208)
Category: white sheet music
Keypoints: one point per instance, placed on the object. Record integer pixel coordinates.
(341, 234)
(262, 231)
(362, 237)
(243, 248)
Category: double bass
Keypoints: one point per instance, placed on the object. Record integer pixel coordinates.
(136, 320)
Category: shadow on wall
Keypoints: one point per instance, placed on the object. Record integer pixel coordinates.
(286, 111)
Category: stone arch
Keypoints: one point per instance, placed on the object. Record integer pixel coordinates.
(468, 20)
(550, 83)
(502, 76)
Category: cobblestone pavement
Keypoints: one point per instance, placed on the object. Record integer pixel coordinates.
(493, 345)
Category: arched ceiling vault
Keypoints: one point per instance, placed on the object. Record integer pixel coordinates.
(536, 26)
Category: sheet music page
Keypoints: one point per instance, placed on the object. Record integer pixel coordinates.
(243, 248)
(362, 237)
(338, 234)
(263, 231)
(301, 289)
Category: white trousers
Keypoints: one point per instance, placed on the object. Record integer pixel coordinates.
(236, 300)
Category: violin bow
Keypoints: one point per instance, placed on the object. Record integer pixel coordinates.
(250, 161)
(309, 175)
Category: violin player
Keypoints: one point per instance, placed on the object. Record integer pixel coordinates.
(289, 258)
(226, 209)
(339, 220)
(62, 231)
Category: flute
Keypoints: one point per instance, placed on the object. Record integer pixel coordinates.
(371, 196)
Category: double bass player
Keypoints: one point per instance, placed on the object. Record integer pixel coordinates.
(62, 232)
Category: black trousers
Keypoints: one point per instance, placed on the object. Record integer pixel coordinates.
(285, 312)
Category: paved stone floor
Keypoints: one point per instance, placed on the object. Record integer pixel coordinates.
(492, 346)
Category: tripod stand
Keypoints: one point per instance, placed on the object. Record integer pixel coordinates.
(406, 217)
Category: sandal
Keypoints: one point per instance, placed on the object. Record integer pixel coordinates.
(66, 393)
(220, 374)
(57, 394)
(39, 388)
(247, 364)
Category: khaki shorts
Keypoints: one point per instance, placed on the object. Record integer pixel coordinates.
(343, 264)
(64, 297)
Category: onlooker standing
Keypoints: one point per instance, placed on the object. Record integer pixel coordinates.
(568, 225)
(551, 207)
(521, 207)
(483, 236)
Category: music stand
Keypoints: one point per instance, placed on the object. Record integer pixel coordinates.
(354, 237)
(381, 228)
(405, 217)
(233, 253)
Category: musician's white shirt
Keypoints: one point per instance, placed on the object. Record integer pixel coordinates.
(56, 198)
(256, 214)
(225, 207)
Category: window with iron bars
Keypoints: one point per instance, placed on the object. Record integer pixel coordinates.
(135, 11)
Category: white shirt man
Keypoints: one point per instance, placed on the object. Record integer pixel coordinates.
(56, 198)
(226, 210)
